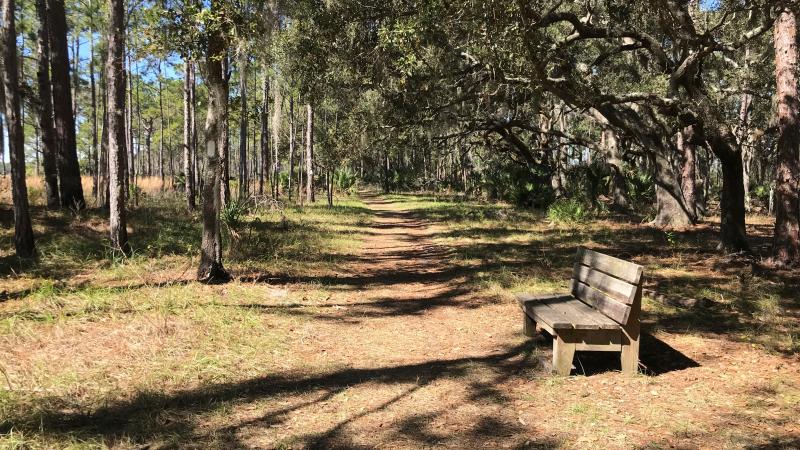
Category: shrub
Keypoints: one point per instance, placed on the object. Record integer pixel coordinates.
(344, 179)
(231, 216)
(567, 211)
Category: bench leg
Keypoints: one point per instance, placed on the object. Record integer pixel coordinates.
(563, 353)
(630, 355)
(528, 325)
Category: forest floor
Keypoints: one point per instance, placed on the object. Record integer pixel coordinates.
(389, 322)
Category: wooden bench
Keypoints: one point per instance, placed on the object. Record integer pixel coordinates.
(601, 312)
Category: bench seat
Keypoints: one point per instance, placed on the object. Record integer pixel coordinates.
(563, 311)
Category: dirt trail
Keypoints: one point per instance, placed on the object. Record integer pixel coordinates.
(404, 354)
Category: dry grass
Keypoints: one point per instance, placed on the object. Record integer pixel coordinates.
(148, 185)
(388, 326)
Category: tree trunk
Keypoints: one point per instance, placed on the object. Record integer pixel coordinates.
(225, 153)
(265, 159)
(67, 154)
(46, 110)
(193, 128)
(188, 170)
(161, 129)
(95, 150)
(211, 269)
(115, 80)
(733, 233)
(243, 133)
(291, 144)
(23, 232)
(131, 163)
(671, 207)
(276, 141)
(329, 187)
(76, 67)
(103, 177)
(618, 188)
(310, 154)
(688, 166)
(786, 244)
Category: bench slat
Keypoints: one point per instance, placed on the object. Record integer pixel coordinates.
(615, 267)
(541, 312)
(617, 311)
(613, 287)
(584, 317)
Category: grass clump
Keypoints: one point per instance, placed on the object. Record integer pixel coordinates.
(567, 211)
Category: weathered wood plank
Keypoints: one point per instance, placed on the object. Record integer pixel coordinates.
(627, 271)
(526, 297)
(543, 313)
(613, 287)
(582, 315)
(617, 311)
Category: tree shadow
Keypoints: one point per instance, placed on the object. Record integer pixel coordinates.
(156, 416)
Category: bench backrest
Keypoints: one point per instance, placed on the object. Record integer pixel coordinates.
(610, 285)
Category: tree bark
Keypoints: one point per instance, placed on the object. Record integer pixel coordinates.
(243, 133)
(188, 169)
(618, 188)
(291, 145)
(46, 110)
(265, 158)
(103, 177)
(276, 141)
(786, 243)
(95, 150)
(67, 153)
(225, 153)
(211, 269)
(310, 154)
(23, 231)
(193, 128)
(161, 129)
(688, 165)
(115, 80)
(672, 210)
(131, 190)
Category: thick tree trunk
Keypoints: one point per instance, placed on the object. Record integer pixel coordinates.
(618, 188)
(310, 154)
(115, 80)
(67, 154)
(671, 207)
(161, 129)
(733, 233)
(23, 232)
(688, 166)
(211, 269)
(786, 244)
(244, 181)
(46, 110)
(188, 169)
